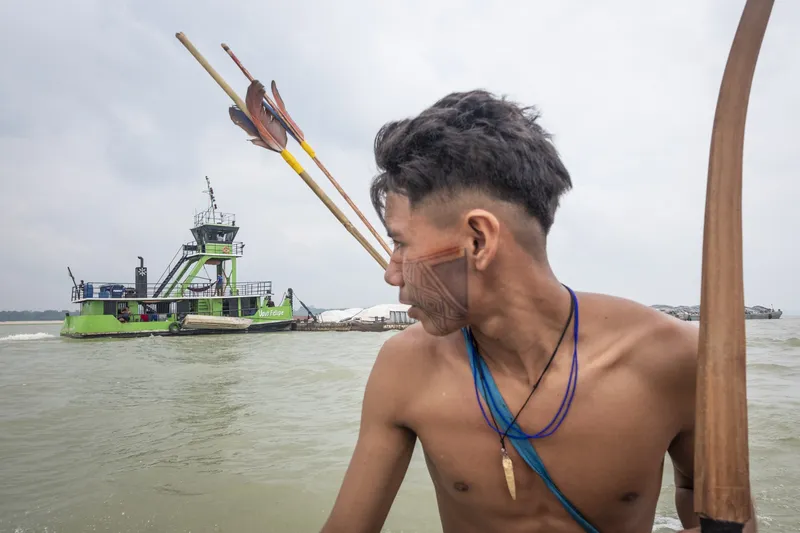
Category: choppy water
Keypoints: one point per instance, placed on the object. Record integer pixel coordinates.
(245, 433)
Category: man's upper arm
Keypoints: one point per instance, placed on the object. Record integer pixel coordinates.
(383, 450)
(677, 371)
(682, 448)
(681, 355)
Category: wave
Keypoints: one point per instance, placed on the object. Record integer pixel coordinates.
(667, 522)
(26, 337)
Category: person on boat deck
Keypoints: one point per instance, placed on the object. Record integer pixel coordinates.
(124, 314)
(220, 285)
(468, 191)
(270, 303)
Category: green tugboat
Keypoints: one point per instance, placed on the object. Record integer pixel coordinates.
(177, 304)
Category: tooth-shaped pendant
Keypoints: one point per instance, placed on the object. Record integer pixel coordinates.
(508, 469)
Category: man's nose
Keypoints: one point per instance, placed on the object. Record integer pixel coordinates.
(394, 273)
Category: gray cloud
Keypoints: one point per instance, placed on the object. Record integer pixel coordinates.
(108, 125)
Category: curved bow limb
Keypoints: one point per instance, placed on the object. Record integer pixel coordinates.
(722, 473)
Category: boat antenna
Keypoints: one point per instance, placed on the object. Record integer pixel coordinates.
(212, 201)
(69, 270)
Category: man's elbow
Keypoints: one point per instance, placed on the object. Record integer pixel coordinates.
(684, 505)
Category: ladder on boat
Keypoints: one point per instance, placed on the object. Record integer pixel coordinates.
(203, 307)
(171, 273)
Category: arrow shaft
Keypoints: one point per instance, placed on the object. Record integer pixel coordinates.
(268, 103)
(217, 78)
(287, 156)
(278, 113)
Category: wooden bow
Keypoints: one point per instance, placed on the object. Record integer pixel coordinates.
(722, 472)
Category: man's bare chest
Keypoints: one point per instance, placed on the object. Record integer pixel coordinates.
(606, 456)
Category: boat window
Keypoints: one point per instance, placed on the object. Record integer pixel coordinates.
(249, 306)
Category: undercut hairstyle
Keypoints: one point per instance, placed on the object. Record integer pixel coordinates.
(471, 142)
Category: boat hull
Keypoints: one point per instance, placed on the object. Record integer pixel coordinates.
(93, 326)
(773, 315)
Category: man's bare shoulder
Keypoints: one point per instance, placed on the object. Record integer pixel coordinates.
(406, 363)
(643, 336)
(413, 347)
(655, 349)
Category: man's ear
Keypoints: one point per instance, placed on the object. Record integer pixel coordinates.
(484, 235)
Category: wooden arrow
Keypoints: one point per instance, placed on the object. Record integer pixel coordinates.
(271, 136)
(294, 130)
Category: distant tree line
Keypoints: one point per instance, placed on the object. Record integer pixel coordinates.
(19, 316)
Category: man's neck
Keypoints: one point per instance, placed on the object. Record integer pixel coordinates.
(518, 331)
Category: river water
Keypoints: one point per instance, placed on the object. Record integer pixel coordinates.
(241, 433)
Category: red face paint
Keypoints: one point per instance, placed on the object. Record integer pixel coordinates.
(436, 285)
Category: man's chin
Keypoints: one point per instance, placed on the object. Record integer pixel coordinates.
(430, 325)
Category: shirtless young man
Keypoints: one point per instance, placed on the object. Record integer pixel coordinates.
(468, 191)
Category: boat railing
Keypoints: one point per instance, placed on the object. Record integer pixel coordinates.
(214, 217)
(214, 248)
(130, 291)
(163, 311)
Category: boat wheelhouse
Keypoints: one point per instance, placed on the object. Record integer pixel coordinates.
(179, 303)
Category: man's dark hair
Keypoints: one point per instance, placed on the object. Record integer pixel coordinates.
(471, 141)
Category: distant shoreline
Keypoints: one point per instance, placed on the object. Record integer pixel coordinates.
(29, 322)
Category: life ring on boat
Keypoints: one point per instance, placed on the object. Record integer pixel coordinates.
(226, 249)
(174, 328)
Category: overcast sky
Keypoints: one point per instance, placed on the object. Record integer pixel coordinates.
(108, 127)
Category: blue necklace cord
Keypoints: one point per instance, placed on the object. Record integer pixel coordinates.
(519, 439)
(497, 410)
